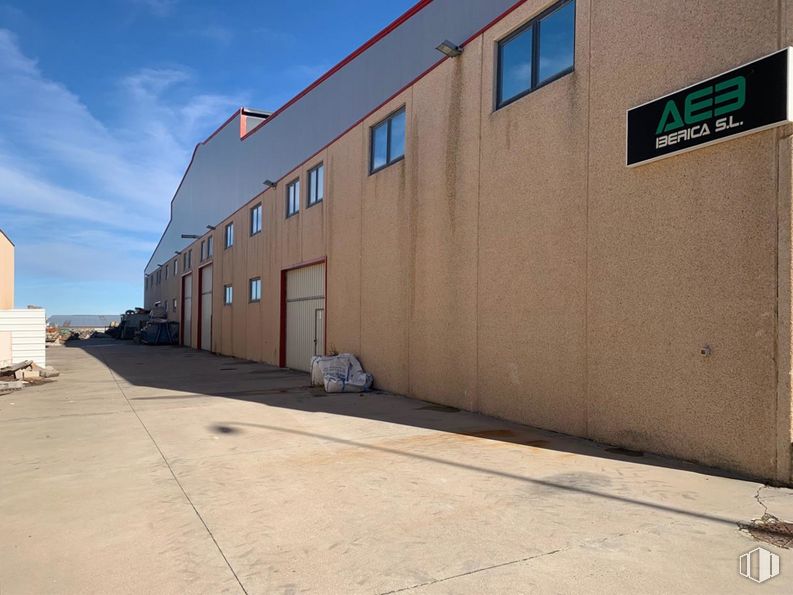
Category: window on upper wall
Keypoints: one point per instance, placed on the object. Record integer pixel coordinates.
(229, 235)
(175, 267)
(210, 246)
(539, 52)
(316, 184)
(255, 286)
(228, 294)
(159, 276)
(387, 141)
(203, 251)
(256, 219)
(189, 260)
(292, 198)
(174, 304)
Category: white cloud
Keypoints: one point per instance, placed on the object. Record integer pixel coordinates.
(160, 8)
(91, 191)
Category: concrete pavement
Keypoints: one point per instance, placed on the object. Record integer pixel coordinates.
(165, 470)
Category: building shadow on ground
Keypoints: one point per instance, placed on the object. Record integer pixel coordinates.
(185, 374)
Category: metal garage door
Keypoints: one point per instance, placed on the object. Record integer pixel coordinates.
(206, 308)
(187, 310)
(305, 316)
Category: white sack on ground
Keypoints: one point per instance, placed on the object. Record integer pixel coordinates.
(340, 374)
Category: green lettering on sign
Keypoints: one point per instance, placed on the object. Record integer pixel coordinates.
(726, 97)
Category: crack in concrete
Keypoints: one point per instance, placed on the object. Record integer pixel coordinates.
(760, 500)
(470, 572)
(530, 558)
(175, 478)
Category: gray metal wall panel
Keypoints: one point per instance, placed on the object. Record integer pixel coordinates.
(226, 173)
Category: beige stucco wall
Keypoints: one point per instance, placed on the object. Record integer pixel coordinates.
(512, 264)
(6, 273)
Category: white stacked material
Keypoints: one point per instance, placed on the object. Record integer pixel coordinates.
(340, 374)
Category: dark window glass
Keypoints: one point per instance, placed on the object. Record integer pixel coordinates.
(380, 146)
(515, 64)
(256, 219)
(538, 53)
(316, 185)
(229, 235)
(293, 198)
(557, 42)
(388, 141)
(256, 289)
(396, 137)
(210, 246)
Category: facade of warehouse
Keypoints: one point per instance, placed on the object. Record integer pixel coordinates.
(469, 226)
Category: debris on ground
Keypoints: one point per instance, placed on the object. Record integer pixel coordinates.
(770, 530)
(16, 376)
(159, 332)
(150, 327)
(341, 373)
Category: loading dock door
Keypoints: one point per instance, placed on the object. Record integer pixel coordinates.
(187, 310)
(206, 308)
(305, 316)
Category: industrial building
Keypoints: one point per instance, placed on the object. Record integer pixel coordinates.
(6, 272)
(575, 215)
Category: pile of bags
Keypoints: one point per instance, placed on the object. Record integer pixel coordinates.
(341, 373)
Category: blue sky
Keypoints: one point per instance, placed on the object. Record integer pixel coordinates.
(102, 103)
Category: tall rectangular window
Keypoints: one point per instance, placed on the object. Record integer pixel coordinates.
(539, 52)
(189, 260)
(387, 141)
(256, 219)
(174, 304)
(228, 294)
(203, 251)
(229, 235)
(175, 267)
(255, 293)
(210, 246)
(316, 184)
(167, 268)
(293, 198)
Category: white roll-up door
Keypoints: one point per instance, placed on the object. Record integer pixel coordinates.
(305, 316)
(206, 308)
(187, 310)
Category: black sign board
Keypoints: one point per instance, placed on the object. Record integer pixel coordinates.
(747, 99)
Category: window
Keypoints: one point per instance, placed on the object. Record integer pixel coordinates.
(203, 251)
(293, 198)
(228, 294)
(210, 246)
(167, 268)
(175, 267)
(229, 235)
(256, 219)
(388, 141)
(174, 304)
(540, 52)
(186, 261)
(159, 276)
(256, 289)
(316, 184)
